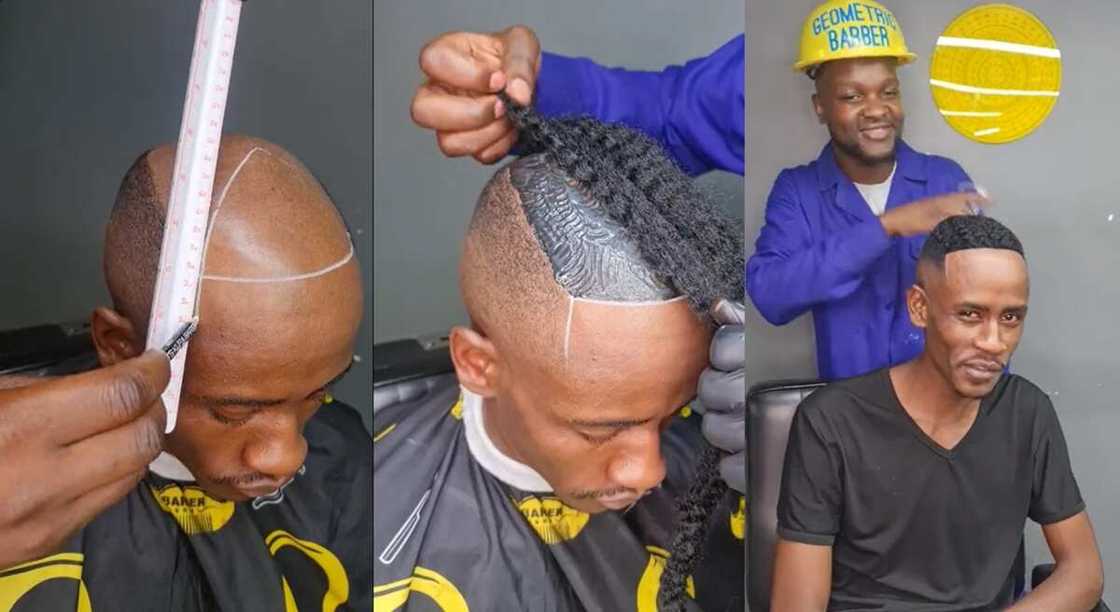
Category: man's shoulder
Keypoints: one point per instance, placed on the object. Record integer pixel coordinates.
(1023, 397)
(857, 390)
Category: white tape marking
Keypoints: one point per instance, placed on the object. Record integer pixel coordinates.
(998, 45)
(953, 113)
(992, 91)
(986, 132)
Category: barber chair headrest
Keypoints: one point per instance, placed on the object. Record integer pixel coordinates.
(47, 350)
(771, 407)
(404, 370)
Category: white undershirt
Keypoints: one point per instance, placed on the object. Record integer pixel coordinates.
(509, 471)
(169, 466)
(876, 195)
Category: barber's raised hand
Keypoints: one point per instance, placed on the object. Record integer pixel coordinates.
(723, 393)
(464, 71)
(922, 216)
(71, 447)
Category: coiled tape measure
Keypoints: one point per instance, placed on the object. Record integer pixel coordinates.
(174, 314)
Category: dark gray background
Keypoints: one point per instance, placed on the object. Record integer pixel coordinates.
(86, 86)
(423, 200)
(1056, 189)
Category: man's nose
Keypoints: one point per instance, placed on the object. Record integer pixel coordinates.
(639, 466)
(875, 108)
(990, 339)
(279, 451)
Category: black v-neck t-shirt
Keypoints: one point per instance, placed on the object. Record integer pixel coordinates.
(914, 526)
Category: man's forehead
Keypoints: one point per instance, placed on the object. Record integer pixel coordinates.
(971, 270)
(845, 71)
(649, 336)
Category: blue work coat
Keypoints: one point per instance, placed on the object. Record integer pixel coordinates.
(822, 249)
(694, 110)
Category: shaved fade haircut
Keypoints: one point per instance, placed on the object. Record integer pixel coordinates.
(963, 232)
(665, 235)
(133, 240)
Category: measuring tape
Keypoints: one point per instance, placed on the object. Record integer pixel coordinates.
(174, 303)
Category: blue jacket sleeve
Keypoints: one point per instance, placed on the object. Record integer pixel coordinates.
(791, 271)
(695, 111)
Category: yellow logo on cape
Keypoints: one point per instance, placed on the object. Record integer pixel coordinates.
(739, 519)
(391, 597)
(194, 510)
(650, 582)
(338, 586)
(18, 581)
(552, 520)
(457, 409)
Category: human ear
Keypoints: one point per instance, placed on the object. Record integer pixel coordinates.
(476, 361)
(917, 304)
(114, 337)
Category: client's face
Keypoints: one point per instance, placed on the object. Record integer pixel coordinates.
(977, 306)
(257, 370)
(591, 424)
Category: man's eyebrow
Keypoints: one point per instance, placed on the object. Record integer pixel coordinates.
(610, 423)
(232, 400)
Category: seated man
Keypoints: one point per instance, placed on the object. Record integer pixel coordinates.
(547, 477)
(908, 488)
(261, 501)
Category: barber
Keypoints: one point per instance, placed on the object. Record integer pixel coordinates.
(72, 446)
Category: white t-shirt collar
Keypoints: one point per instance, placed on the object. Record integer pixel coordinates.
(505, 469)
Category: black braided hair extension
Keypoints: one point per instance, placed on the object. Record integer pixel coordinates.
(683, 235)
(679, 231)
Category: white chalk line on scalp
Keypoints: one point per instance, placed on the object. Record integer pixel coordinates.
(284, 279)
(249, 279)
(572, 306)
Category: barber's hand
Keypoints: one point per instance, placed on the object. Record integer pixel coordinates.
(464, 71)
(723, 393)
(71, 447)
(922, 216)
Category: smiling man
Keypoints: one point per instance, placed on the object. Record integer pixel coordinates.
(547, 476)
(843, 232)
(908, 489)
(261, 500)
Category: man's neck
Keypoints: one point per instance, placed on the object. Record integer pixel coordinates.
(927, 395)
(861, 171)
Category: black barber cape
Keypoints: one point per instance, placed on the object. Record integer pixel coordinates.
(450, 537)
(914, 526)
(168, 546)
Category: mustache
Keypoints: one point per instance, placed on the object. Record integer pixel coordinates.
(242, 479)
(594, 493)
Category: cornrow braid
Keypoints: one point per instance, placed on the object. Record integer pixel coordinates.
(682, 235)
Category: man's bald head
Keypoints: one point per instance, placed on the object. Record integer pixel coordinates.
(271, 219)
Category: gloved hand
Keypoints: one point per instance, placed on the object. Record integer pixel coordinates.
(722, 392)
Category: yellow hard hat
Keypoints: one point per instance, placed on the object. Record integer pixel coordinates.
(841, 29)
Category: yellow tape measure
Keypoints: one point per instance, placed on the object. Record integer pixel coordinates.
(995, 73)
